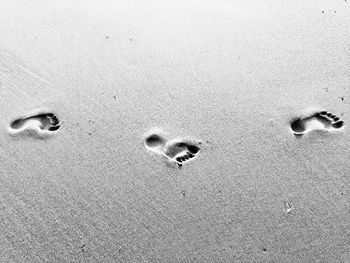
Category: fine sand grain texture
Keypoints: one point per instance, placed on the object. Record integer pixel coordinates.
(174, 131)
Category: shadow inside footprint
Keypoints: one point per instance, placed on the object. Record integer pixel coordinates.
(17, 124)
(46, 122)
(193, 149)
(297, 126)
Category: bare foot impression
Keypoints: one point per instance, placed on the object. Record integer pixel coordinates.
(322, 120)
(176, 151)
(181, 151)
(40, 123)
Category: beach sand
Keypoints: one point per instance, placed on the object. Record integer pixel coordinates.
(99, 98)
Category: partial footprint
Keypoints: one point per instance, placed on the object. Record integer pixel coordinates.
(181, 151)
(318, 121)
(43, 122)
(154, 141)
(184, 157)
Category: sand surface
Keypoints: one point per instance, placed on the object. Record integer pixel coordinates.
(227, 76)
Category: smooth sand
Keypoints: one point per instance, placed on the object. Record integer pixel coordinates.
(231, 74)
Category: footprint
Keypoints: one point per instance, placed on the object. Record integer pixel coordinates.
(46, 122)
(322, 120)
(177, 151)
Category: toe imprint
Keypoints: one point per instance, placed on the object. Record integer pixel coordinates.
(48, 121)
(338, 124)
(181, 151)
(183, 157)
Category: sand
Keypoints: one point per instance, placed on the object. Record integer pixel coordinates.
(226, 76)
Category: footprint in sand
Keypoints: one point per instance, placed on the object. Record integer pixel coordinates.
(181, 151)
(322, 120)
(43, 122)
(177, 151)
